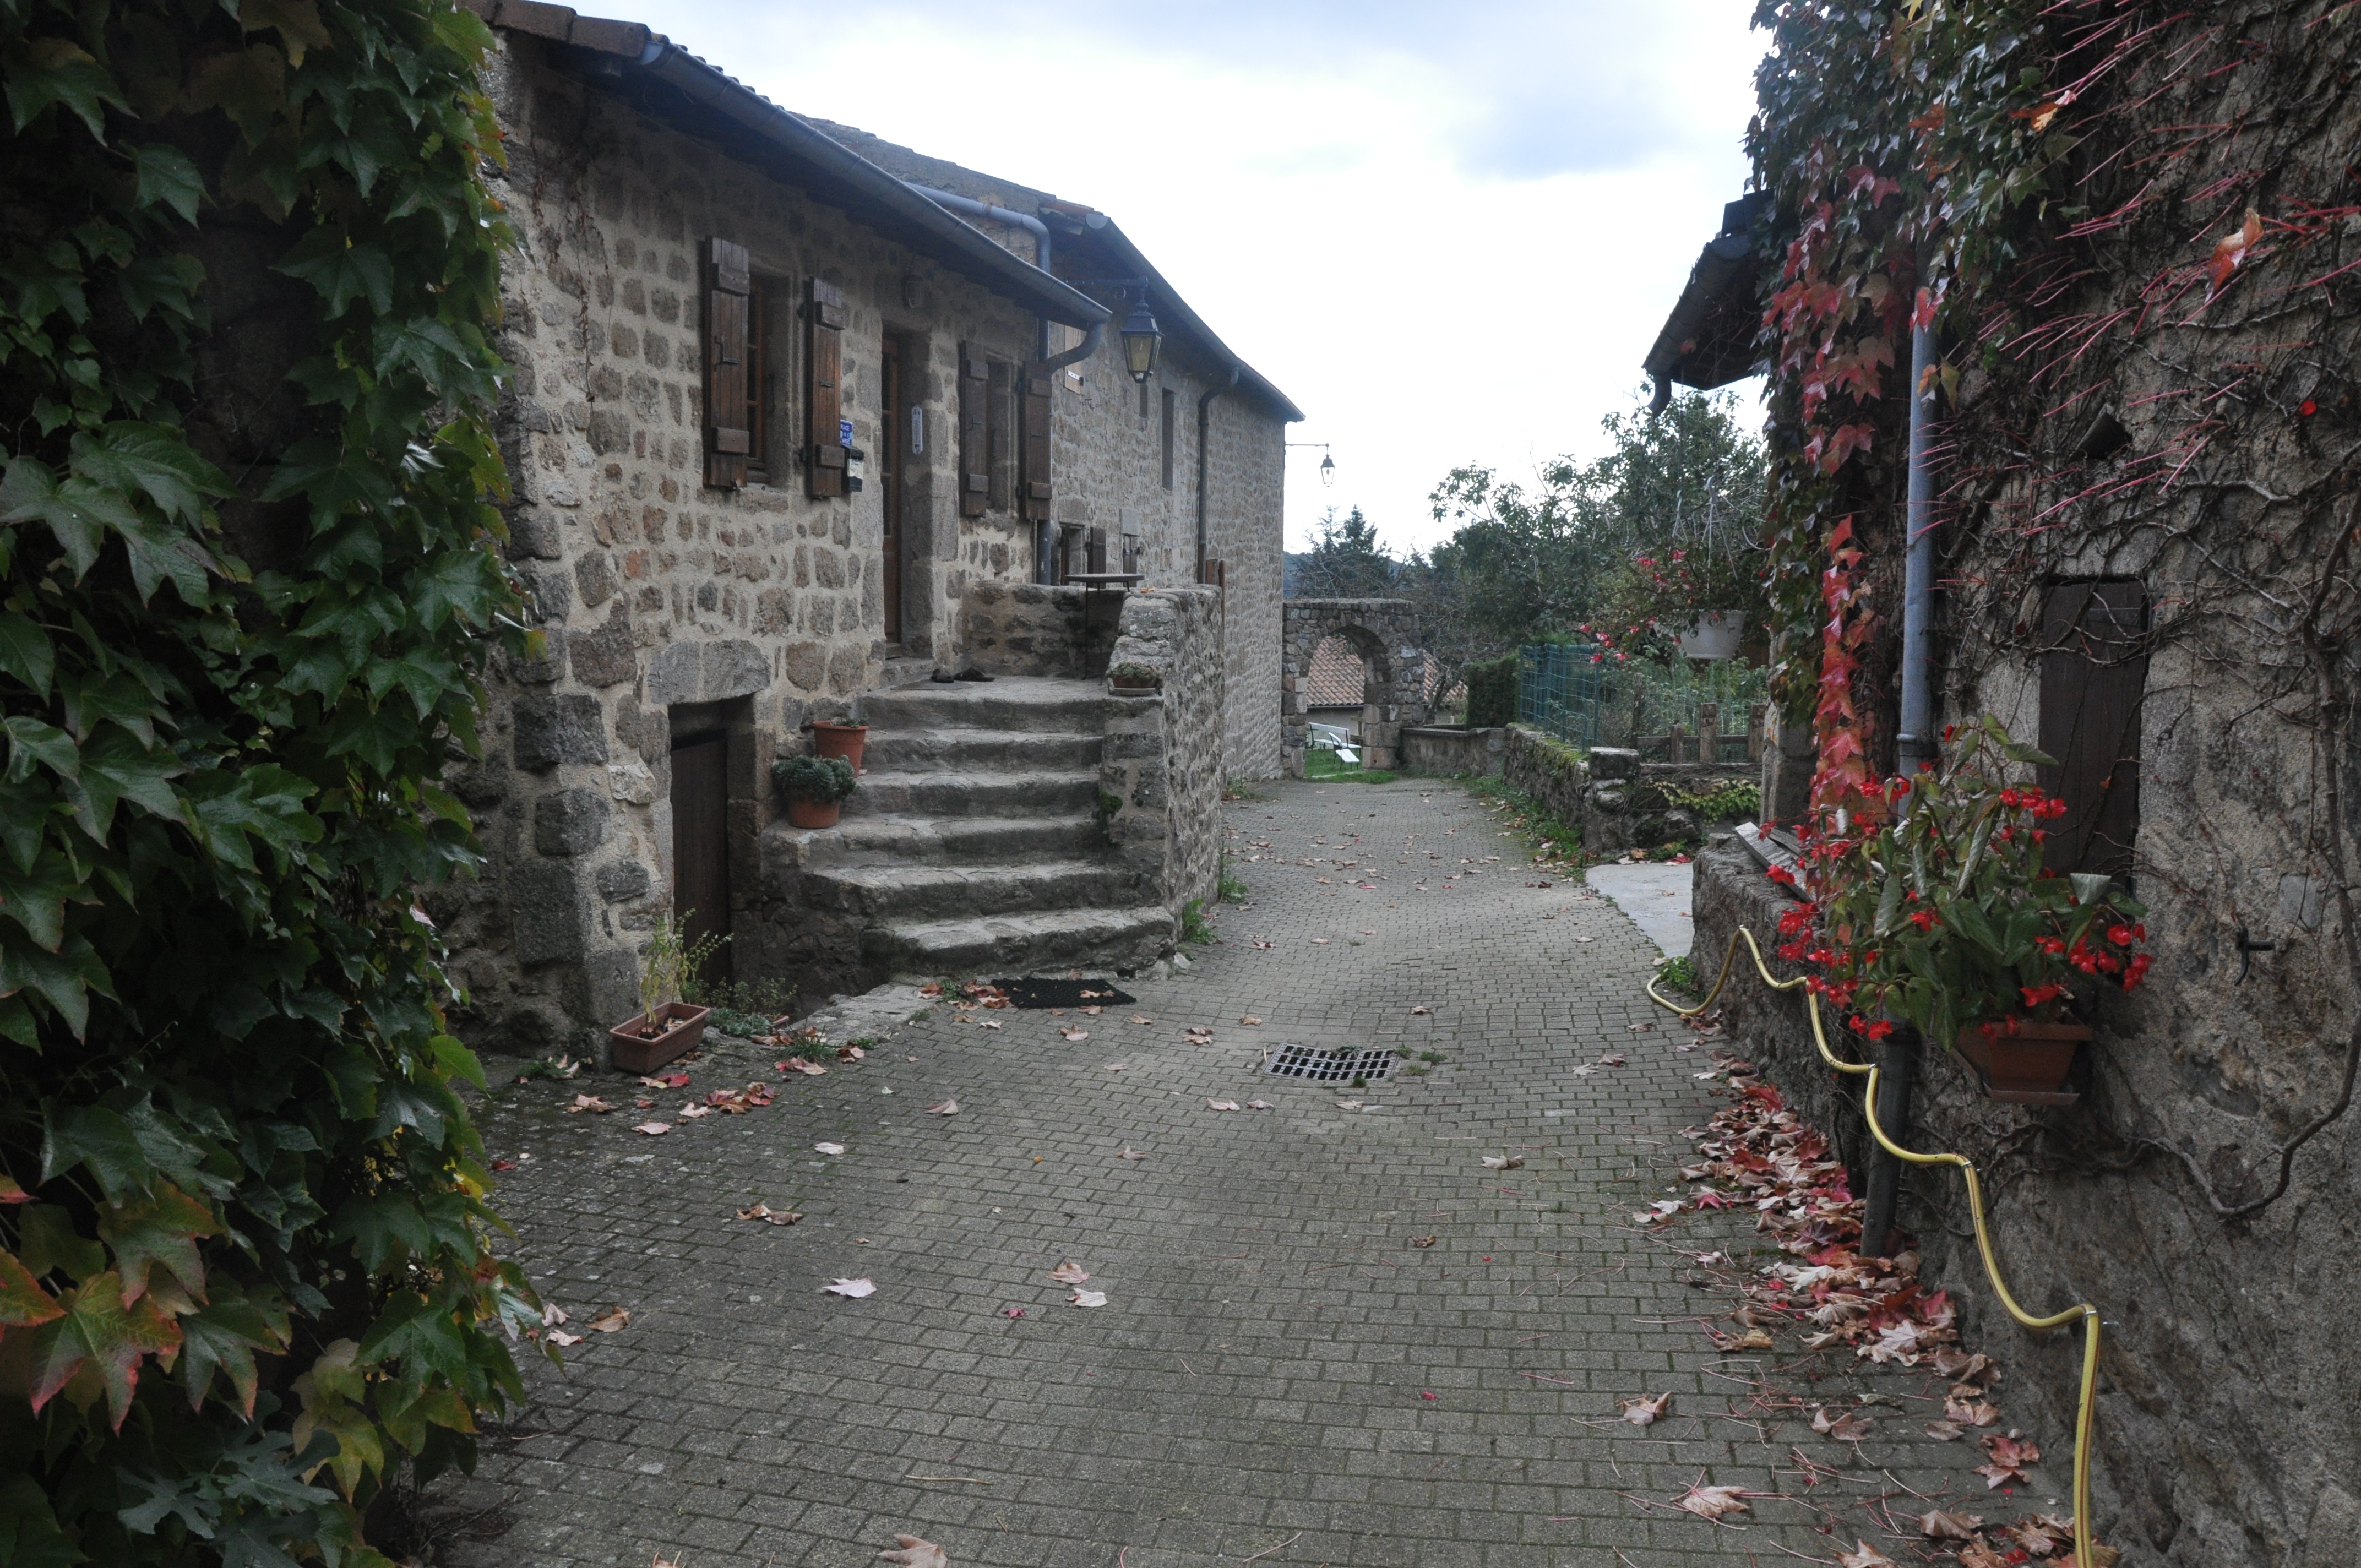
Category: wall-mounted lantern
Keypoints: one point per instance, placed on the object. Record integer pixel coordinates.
(1142, 341)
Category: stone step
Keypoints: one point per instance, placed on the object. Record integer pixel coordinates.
(1025, 703)
(909, 891)
(1018, 944)
(974, 750)
(974, 794)
(890, 838)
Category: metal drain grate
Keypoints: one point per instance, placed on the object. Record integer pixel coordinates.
(1335, 1065)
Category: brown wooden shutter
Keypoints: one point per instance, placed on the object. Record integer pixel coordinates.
(1036, 479)
(824, 397)
(997, 429)
(727, 439)
(2093, 673)
(975, 440)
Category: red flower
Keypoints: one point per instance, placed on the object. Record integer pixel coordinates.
(1879, 1029)
(2121, 936)
(2139, 932)
(1781, 875)
(2053, 946)
(2137, 971)
(2034, 996)
(1924, 919)
(2307, 408)
(2010, 798)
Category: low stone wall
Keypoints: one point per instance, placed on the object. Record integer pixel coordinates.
(1617, 801)
(1032, 629)
(1160, 776)
(1453, 749)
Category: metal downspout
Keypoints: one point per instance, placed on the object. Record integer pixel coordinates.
(1914, 746)
(1205, 466)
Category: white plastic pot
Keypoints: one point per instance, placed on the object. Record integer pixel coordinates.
(1716, 635)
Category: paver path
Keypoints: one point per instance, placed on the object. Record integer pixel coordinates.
(1278, 1372)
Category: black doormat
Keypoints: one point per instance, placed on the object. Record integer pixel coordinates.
(1062, 992)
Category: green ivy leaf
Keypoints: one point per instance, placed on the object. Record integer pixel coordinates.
(342, 271)
(159, 1230)
(25, 652)
(37, 899)
(63, 979)
(50, 1243)
(55, 71)
(223, 1335)
(128, 456)
(78, 512)
(167, 174)
(97, 1332)
(30, 742)
(30, 1533)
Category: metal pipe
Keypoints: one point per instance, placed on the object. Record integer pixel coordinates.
(1915, 741)
(1092, 337)
(1901, 1072)
(976, 209)
(1205, 430)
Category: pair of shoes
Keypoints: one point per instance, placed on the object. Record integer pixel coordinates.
(971, 673)
(943, 678)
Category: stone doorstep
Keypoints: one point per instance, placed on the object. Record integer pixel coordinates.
(1033, 704)
(893, 838)
(920, 890)
(1063, 938)
(961, 794)
(970, 751)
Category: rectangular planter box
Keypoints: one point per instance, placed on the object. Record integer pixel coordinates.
(634, 1052)
(2028, 1068)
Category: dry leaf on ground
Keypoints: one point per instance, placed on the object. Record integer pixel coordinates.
(1118, 1067)
(653, 1129)
(1319, 941)
(1260, 1105)
(1977, 1555)
(2010, 1458)
(1127, 1152)
(1945, 1431)
(1348, 1104)
(850, 1053)
(590, 1102)
(1970, 1413)
(1937, 1525)
(1075, 1033)
(1259, 942)
(612, 1318)
(691, 1113)
(551, 1314)
(1069, 1273)
(1423, 1241)
(1141, 1019)
(1713, 1503)
(1088, 1299)
(1251, 1022)
(1864, 1556)
(559, 1337)
(1503, 1161)
(1221, 1104)
(856, 1289)
(1647, 1412)
(916, 1553)
(1421, 1012)
(943, 1108)
(799, 1064)
(827, 1148)
(763, 1212)
(1611, 1061)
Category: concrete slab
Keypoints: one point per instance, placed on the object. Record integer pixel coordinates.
(1656, 897)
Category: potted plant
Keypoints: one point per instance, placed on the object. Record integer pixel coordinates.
(1695, 603)
(1930, 906)
(1135, 680)
(816, 788)
(1714, 634)
(831, 738)
(666, 1028)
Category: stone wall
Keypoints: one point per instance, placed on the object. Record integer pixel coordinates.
(1452, 751)
(1618, 802)
(1161, 772)
(1029, 628)
(1385, 633)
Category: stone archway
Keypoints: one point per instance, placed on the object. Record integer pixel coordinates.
(1385, 633)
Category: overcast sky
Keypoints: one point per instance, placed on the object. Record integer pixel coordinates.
(1449, 232)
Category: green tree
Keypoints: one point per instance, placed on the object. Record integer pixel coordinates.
(248, 572)
(1347, 561)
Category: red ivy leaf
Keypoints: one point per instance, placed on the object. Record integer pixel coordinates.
(97, 1330)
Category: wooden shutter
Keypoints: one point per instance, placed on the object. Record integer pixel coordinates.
(975, 440)
(2093, 672)
(728, 438)
(824, 397)
(1001, 436)
(1035, 479)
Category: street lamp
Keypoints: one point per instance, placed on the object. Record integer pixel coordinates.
(1327, 460)
(1142, 338)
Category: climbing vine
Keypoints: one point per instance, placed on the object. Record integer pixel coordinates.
(248, 575)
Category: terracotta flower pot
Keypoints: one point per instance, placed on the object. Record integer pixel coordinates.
(803, 813)
(2027, 1067)
(844, 741)
(635, 1050)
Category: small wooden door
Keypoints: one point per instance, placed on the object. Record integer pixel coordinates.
(891, 418)
(2093, 673)
(700, 842)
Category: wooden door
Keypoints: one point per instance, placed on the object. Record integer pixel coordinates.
(890, 421)
(2093, 673)
(700, 842)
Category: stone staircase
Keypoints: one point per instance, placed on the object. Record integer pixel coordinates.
(975, 842)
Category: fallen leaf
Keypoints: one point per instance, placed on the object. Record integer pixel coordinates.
(643, 1104)
(2010, 1459)
(612, 1318)
(1348, 1104)
(1251, 1022)
(1944, 1431)
(799, 1064)
(1012, 1312)
(675, 1080)
(654, 1084)
(1503, 1161)
(1319, 941)
(504, 1165)
(1094, 1012)
(946, 1108)
(1140, 1018)
(590, 1102)
(2041, 1534)
(916, 1553)
(551, 1314)
(1647, 1412)
(1127, 1152)
(1259, 942)
(1118, 1067)
(827, 1148)
(856, 1289)
(1977, 1555)
(2230, 249)
(1713, 1502)
(1221, 1104)
(987, 1022)
(1866, 1556)
(1421, 1012)
(1069, 1273)
(561, 1338)
(850, 1053)
(1937, 1525)
(691, 1113)
(1260, 1105)
(1610, 1061)
(2101, 1557)
(1976, 1413)
(1423, 1241)
(653, 1129)
(1075, 1033)
(1961, 1368)
(1088, 1299)
(763, 1212)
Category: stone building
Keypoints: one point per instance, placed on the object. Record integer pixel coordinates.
(800, 418)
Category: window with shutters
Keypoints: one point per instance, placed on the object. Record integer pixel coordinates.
(1171, 413)
(727, 439)
(1036, 494)
(2093, 673)
(760, 380)
(1000, 432)
(823, 395)
(974, 431)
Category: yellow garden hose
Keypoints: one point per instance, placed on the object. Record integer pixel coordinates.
(2083, 1311)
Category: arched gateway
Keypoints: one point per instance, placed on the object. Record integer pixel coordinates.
(1385, 633)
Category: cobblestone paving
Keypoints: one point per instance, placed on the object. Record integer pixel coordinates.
(1280, 1373)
